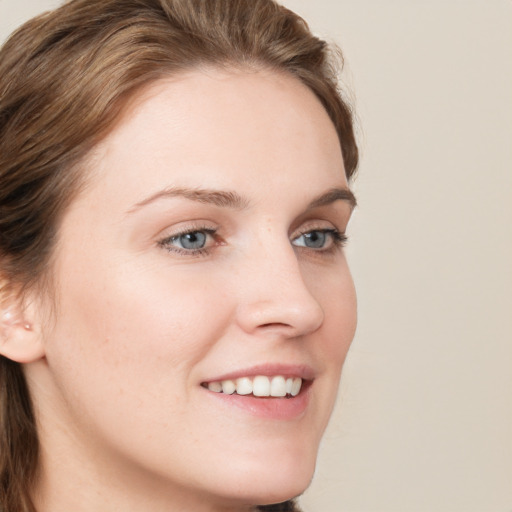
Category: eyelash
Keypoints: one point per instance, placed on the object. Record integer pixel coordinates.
(166, 243)
(339, 240)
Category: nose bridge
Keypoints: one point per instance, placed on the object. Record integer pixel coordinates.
(275, 293)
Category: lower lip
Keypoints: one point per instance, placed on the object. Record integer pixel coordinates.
(286, 408)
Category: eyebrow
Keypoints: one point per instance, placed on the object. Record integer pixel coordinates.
(333, 195)
(231, 199)
(224, 199)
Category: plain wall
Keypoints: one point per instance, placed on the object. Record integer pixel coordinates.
(424, 420)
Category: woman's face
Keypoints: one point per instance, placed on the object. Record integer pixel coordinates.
(206, 248)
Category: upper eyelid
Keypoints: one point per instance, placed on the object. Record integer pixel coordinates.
(173, 236)
(186, 227)
(315, 225)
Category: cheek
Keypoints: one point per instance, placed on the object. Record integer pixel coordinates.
(336, 294)
(342, 309)
(123, 352)
(138, 331)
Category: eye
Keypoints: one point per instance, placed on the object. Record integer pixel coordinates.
(313, 239)
(320, 239)
(193, 241)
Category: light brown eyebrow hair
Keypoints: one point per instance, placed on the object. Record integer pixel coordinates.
(332, 195)
(231, 199)
(224, 199)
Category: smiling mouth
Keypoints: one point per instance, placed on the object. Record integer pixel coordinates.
(259, 386)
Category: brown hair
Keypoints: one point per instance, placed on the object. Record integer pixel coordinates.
(64, 79)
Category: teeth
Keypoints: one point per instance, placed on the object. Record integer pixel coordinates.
(243, 386)
(260, 386)
(228, 387)
(215, 386)
(278, 386)
(297, 383)
(289, 386)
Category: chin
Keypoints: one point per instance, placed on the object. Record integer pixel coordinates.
(275, 482)
(287, 491)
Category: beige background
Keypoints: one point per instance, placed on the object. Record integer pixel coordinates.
(424, 422)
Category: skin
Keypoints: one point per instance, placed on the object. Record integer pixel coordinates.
(137, 324)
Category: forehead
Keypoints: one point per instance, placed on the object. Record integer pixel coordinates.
(222, 128)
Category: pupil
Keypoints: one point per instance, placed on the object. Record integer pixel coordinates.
(195, 240)
(315, 239)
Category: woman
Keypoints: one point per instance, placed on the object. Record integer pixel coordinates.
(176, 306)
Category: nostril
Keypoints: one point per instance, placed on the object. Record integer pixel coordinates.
(279, 329)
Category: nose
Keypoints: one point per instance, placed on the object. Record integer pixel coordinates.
(275, 298)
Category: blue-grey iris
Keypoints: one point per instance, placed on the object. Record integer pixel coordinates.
(315, 239)
(194, 240)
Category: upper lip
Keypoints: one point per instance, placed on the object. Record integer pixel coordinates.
(304, 371)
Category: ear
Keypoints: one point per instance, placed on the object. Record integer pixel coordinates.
(20, 336)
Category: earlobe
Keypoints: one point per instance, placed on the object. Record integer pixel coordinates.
(19, 340)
